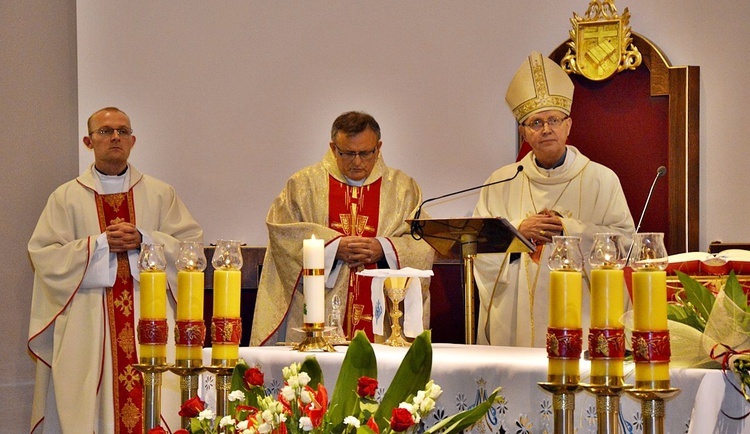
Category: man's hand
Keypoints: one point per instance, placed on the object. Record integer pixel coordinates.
(123, 237)
(356, 251)
(542, 227)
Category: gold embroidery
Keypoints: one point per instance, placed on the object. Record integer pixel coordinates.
(123, 271)
(130, 378)
(353, 223)
(125, 303)
(115, 200)
(131, 416)
(126, 339)
(116, 220)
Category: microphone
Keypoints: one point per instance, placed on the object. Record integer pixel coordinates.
(416, 228)
(661, 171)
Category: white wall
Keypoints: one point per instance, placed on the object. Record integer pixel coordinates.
(229, 98)
(38, 151)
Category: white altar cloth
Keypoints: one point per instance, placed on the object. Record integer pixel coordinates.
(469, 373)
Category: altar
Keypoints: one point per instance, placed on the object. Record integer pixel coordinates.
(468, 374)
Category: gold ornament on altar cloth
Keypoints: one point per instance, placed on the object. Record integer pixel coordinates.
(601, 43)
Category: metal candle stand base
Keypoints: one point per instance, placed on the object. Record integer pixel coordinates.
(223, 369)
(314, 339)
(563, 405)
(152, 371)
(607, 403)
(188, 373)
(653, 407)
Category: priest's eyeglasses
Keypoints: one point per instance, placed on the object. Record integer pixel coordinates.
(350, 156)
(538, 124)
(108, 132)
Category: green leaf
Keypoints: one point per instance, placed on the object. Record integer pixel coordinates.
(701, 299)
(359, 361)
(411, 377)
(460, 421)
(684, 315)
(364, 429)
(734, 291)
(312, 368)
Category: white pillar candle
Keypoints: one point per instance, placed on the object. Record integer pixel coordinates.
(313, 280)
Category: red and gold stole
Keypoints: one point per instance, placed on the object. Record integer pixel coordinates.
(128, 385)
(355, 211)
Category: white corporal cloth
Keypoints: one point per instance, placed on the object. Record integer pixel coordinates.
(412, 300)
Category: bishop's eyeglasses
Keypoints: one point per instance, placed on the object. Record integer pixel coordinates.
(350, 155)
(538, 124)
(108, 132)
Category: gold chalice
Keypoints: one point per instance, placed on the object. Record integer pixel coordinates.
(395, 289)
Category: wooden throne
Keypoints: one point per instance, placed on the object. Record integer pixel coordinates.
(636, 121)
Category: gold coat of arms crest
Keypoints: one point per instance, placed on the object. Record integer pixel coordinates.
(600, 42)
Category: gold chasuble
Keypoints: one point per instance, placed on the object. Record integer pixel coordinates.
(128, 387)
(354, 211)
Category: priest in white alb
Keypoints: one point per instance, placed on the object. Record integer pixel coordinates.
(559, 192)
(358, 205)
(85, 301)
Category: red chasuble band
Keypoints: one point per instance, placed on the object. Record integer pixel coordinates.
(128, 387)
(354, 211)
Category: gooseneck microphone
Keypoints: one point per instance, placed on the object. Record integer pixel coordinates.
(416, 227)
(661, 171)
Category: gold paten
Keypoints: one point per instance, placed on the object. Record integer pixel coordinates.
(600, 44)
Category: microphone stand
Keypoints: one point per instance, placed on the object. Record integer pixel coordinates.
(661, 171)
(416, 226)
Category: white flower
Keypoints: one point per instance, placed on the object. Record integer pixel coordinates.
(288, 393)
(265, 428)
(236, 395)
(352, 421)
(267, 416)
(303, 379)
(293, 381)
(206, 414)
(434, 390)
(242, 425)
(407, 406)
(306, 396)
(305, 423)
(226, 420)
(427, 405)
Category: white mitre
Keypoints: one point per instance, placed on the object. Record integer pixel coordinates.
(539, 84)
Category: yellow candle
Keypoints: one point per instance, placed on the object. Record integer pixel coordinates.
(564, 313)
(226, 305)
(153, 295)
(189, 308)
(227, 293)
(190, 295)
(649, 300)
(565, 299)
(607, 306)
(650, 314)
(607, 298)
(153, 305)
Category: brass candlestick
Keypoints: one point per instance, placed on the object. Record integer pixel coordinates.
(653, 407)
(564, 347)
(223, 369)
(151, 369)
(188, 370)
(563, 405)
(314, 339)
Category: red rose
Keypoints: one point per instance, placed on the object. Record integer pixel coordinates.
(253, 378)
(181, 431)
(192, 407)
(157, 430)
(366, 387)
(401, 419)
(373, 426)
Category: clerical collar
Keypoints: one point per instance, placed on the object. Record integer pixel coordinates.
(559, 162)
(354, 183)
(104, 174)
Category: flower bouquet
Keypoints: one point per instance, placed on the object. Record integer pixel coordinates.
(302, 405)
(717, 324)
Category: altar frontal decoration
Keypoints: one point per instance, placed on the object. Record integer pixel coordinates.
(403, 284)
(302, 404)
